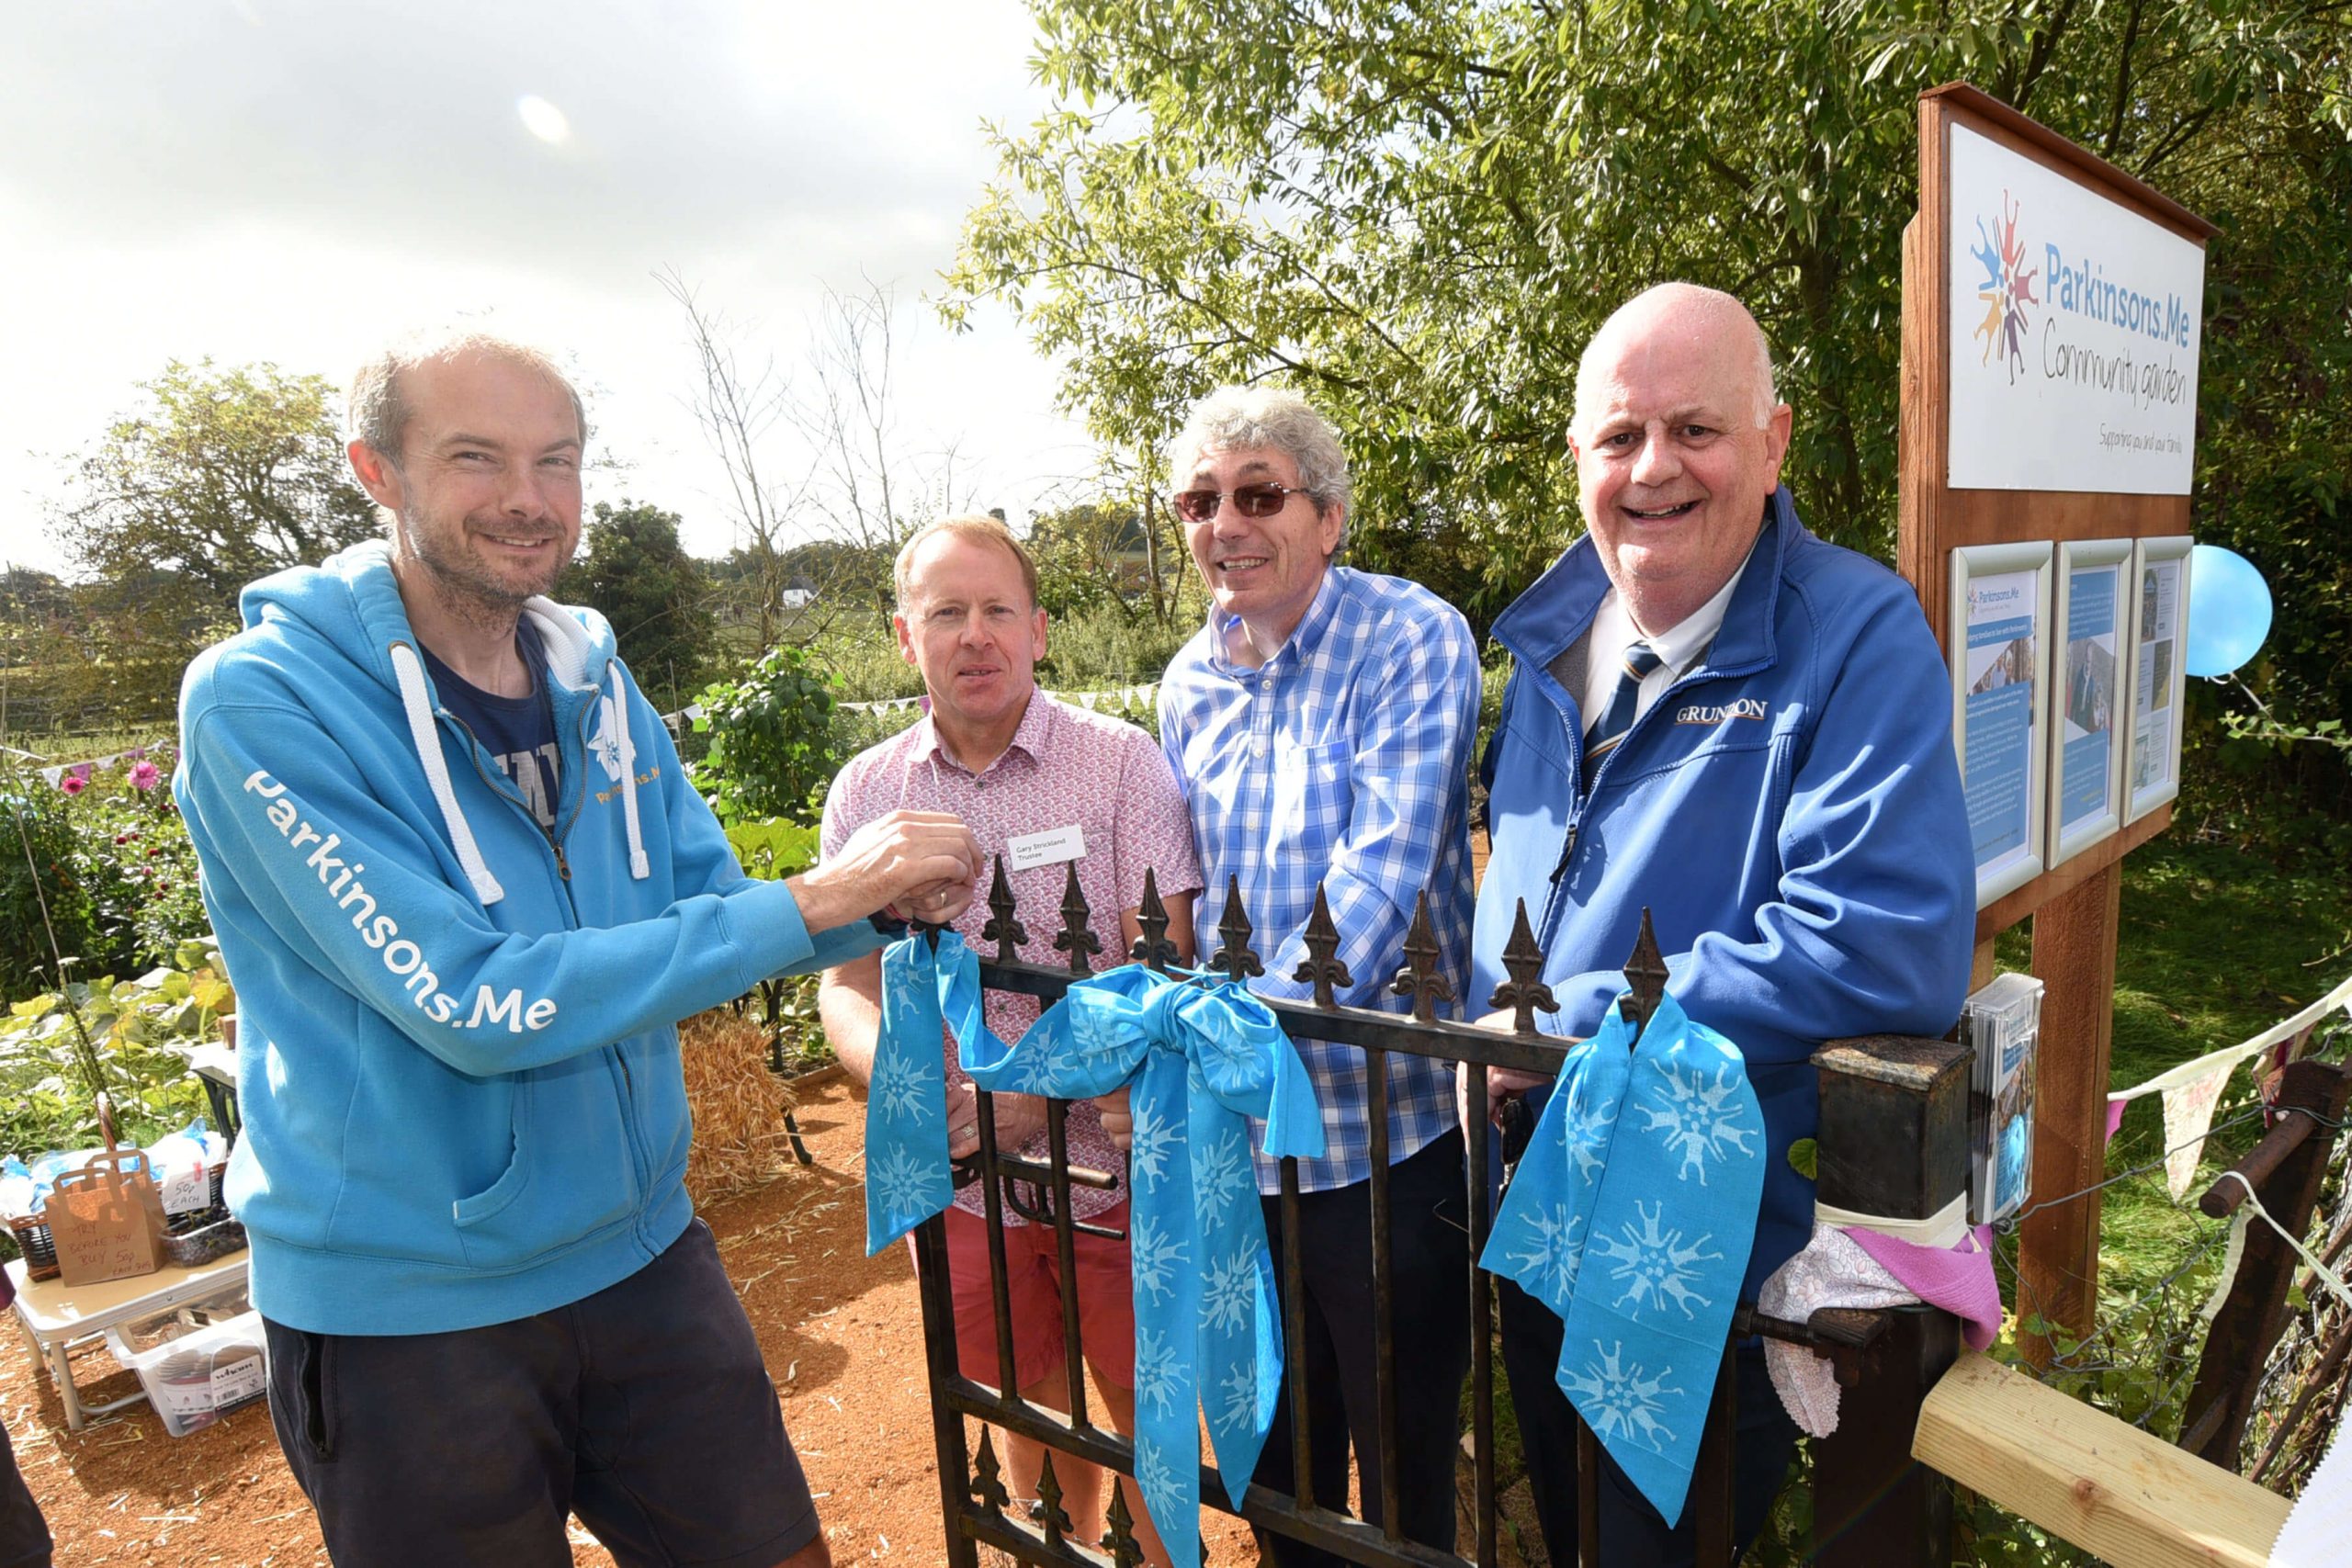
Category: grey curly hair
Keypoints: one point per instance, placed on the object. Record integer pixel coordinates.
(1236, 418)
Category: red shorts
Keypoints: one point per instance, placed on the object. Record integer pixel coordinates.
(1106, 1314)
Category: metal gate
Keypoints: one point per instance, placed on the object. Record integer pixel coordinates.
(1872, 1506)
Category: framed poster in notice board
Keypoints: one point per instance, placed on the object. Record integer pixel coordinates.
(2090, 623)
(2000, 713)
(2159, 676)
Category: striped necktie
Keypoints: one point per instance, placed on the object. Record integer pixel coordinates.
(1602, 738)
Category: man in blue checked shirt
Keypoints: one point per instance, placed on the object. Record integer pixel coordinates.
(1320, 726)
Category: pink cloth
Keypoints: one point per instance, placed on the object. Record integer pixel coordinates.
(2115, 1118)
(1064, 765)
(1958, 1280)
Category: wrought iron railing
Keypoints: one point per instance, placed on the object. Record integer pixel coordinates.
(1871, 1507)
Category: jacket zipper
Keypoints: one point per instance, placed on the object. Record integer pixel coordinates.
(1548, 928)
(555, 838)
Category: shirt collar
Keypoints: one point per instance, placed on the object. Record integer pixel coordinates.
(1030, 740)
(1680, 646)
(1303, 637)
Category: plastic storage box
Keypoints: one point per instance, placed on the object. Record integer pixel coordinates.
(198, 1361)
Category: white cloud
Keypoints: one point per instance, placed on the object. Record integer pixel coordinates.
(290, 182)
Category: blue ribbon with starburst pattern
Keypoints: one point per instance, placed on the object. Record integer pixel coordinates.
(1631, 1216)
(1201, 1058)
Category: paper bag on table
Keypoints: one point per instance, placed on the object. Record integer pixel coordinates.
(106, 1218)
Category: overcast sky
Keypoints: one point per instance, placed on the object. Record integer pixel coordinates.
(290, 181)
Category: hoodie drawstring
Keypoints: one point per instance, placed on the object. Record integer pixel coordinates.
(418, 702)
(625, 750)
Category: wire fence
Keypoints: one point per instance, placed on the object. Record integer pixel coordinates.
(2139, 1361)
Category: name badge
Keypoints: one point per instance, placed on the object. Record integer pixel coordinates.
(1049, 848)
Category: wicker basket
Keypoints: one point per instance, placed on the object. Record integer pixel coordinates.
(31, 1233)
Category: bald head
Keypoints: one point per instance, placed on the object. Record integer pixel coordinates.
(1678, 441)
(1682, 314)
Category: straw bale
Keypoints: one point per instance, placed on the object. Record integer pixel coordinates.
(737, 1106)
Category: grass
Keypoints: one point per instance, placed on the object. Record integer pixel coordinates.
(2213, 946)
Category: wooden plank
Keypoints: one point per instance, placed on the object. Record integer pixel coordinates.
(2080, 164)
(2073, 953)
(2100, 1482)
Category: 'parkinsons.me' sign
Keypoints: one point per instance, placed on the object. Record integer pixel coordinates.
(2074, 329)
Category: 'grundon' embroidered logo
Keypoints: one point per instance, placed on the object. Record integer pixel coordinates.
(382, 933)
(1746, 707)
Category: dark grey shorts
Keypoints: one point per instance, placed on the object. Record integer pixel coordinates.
(646, 1409)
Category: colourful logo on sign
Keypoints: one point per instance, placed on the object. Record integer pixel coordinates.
(2006, 291)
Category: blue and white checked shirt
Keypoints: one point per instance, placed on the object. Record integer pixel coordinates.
(1345, 757)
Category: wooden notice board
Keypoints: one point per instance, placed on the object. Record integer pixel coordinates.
(2094, 316)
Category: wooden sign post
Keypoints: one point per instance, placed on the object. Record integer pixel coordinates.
(2052, 312)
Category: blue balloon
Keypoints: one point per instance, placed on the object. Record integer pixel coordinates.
(2229, 610)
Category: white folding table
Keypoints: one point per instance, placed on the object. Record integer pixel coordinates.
(56, 1316)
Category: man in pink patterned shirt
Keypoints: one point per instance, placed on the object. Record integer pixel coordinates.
(1021, 769)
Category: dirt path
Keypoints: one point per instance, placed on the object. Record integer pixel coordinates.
(843, 1341)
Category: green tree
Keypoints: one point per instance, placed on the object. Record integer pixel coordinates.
(228, 474)
(658, 598)
(224, 476)
(1419, 213)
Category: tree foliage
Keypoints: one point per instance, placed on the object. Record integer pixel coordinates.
(224, 475)
(1418, 214)
(228, 474)
(639, 577)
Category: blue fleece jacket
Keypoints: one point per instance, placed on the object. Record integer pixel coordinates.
(1790, 810)
(458, 1060)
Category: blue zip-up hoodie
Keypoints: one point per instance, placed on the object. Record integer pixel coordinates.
(1790, 810)
(458, 1060)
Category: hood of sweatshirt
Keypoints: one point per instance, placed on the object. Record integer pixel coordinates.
(352, 601)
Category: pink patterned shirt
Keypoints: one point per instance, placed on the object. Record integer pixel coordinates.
(1065, 766)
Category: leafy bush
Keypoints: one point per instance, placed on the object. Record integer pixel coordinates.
(771, 750)
(127, 1037)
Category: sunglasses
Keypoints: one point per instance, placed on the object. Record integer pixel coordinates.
(1261, 500)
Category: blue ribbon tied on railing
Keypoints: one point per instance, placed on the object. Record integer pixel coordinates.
(1632, 1216)
(1201, 1058)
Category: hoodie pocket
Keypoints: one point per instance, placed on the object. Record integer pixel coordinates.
(495, 1199)
(569, 1177)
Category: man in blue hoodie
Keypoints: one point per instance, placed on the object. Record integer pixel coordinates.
(1714, 713)
(465, 892)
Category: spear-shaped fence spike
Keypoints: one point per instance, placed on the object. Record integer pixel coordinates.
(1524, 993)
(1119, 1539)
(1076, 939)
(1152, 948)
(1323, 967)
(1050, 1512)
(1003, 928)
(988, 1477)
(1234, 955)
(1645, 973)
(1421, 979)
